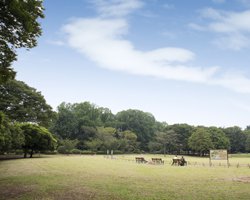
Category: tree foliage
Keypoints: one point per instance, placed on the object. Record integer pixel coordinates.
(237, 139)
(18, 28)
(11, 136)
(37, 138)
(141, 123)
(219, 138)
(24, 104)
(200, 141)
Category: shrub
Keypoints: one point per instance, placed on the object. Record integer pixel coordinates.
(62, 150)
(86, 152)
(76, 151)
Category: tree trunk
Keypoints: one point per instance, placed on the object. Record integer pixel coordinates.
(164, 151)
(31, 153)
(25, 154)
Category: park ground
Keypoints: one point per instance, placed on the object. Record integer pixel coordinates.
(98, 177)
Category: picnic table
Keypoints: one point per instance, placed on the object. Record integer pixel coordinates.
(157, 161)
(140, 160)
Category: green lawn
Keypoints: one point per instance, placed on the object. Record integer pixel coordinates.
(96, 177)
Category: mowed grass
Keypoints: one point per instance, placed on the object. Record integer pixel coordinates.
(96, 177)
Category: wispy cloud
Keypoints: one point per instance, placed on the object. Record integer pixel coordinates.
(103, 40)
(116, 8)
(232, 28)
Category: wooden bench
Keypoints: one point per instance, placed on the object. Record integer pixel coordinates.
(157, 161)
(140, 160)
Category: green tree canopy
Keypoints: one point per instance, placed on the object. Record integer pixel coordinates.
(11, 136)
(219, 138)
(24, 104)
(168, 141)
(143, 124)
(200, 141)
(183, 132)
(18, 28)
(37, 138)
(237, 139)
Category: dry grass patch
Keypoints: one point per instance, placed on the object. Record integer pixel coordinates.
(15, 191)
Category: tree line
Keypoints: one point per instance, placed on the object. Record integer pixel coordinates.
(28, 124)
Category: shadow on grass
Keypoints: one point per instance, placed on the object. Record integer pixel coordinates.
(14, 157)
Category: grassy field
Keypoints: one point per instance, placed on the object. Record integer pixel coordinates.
(96, 177)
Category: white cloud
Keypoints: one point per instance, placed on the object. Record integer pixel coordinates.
(116, 8)
(232, 28)
(103, 40)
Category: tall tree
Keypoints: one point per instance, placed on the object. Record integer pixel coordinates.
(141, 123)
(18, 28)
(237, 139)
(183, 132)
(11, 136)
(200, 141)
(247, 143)
(168, 140)
(23, 103)
(219, 138)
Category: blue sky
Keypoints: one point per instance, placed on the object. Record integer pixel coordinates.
(182, 61)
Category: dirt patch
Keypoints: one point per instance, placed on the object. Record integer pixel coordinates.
(242, 179)
(77, 194)
(10, 191)
(80, 193)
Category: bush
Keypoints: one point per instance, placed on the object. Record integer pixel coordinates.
(62, 150)
(49, 152)
(118, 152)
(76, 151)
(86, 152)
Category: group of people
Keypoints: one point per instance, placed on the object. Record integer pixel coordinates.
(179, 161)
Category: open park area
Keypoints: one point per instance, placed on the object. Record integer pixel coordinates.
(99, 177)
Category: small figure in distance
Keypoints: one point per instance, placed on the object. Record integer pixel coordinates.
(175, 157)
(182, 161)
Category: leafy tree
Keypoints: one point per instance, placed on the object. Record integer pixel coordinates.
(237, 139)
(5, 134)
(219, 138)
(107, 136)
(18, 28)
(37, 138)
(67, 146)
(11, 136)
(183, 132)
(94, 145)
(200, 141)
(104, 140)
(168, 140)
(65, 124)
(247, 144)
(154, 147)
(79, 121)
(141, 123)
(127, 141)
(24, 104)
